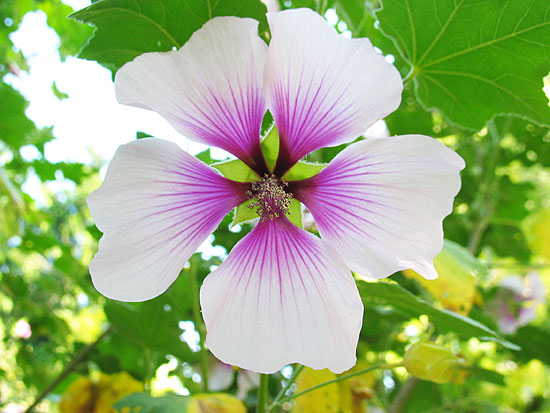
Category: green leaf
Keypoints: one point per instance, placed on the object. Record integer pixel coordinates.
(58, 94)
(479, 373)
(143, 135)
(151, 324)
(143, 403)
(473, 60)
(408, 305)
(534, 343)
(236, 170)
(15, 127)
(303, 170)
(126, 28)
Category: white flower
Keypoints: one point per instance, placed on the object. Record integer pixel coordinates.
(282, 295)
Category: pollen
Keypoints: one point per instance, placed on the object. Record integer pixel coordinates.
(271, 197)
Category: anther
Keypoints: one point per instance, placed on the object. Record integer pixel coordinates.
(272, 200)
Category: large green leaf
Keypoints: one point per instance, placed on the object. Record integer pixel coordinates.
(534, 343)
(473, 59)
(408, 305)
(151, 324)
(128, 28)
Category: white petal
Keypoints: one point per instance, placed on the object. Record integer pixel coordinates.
(381, 203)
(282, 296)
(155, 207)
(210, 90)
(322, 88)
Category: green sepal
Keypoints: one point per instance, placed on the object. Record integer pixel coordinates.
(270, 147)
(236, 170)
(294, 213)
(244, 214)
(303, 170)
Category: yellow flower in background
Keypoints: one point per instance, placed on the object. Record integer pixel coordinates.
(215, 403)
(86, 395)
(430, 361)
(324, 400)
(455, 288)
(78, 397)
(354, 391)
(539, 230)
(346, 396)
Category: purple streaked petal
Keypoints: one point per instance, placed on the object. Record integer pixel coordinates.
(381, 203)
(322, 88)
(155, 207)
(210, 90)
(282, 296)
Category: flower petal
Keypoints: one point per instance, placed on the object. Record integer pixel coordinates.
(381, 203)
(282, 296)
(155, 207)
(210, 90)
(322, 88)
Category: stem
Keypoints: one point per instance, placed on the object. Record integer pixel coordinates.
(69, 368)
(403, 395)
(489, 188)
(197, 319)
(339, 379)
(262, 393)
(411, 75)
(283, 391)
(477, 233)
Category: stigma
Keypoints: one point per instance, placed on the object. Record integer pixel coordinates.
(271, 197)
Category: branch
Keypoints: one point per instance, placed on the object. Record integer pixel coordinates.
(69, 368)
(403, 395)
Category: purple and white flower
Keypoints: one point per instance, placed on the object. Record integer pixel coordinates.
(516, 301)
(283, 295)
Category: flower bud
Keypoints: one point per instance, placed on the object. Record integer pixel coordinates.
(429, 361)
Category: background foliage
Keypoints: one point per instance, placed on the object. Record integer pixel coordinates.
(473, 72)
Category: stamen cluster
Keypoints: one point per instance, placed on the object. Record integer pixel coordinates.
(272, 200)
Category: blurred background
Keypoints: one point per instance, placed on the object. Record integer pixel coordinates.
(64, 347)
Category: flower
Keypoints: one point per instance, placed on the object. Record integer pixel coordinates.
(282, 295)
(516, 301)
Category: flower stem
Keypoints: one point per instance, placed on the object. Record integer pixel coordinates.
(403, 395)
(262, 393)
(297, 371)
(339, 379)
(197, 319)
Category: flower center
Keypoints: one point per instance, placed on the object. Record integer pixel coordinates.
(272, 200)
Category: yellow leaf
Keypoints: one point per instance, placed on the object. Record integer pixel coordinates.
(323, 400)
